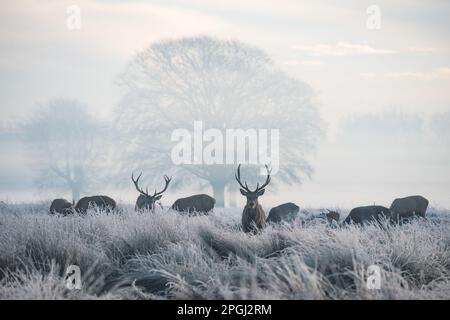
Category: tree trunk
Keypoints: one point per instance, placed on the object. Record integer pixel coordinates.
(77, 183)
(232, 197)
(219, 191)
(76, 193)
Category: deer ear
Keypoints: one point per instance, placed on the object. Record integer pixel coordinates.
(243, 192)
(261, 192)
(158, 197)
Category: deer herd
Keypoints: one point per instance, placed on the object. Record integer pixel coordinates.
(253, 215)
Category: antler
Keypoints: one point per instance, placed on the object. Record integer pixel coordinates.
(238, 179)
(258, 188)
(136, 184)
(167, 180)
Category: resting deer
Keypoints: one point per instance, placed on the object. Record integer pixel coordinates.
(253, 216)
(103, 203)
(199, 203)
(146, 201)
(61, 206)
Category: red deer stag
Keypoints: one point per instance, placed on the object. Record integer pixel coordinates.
(253, 216)
(146, 201)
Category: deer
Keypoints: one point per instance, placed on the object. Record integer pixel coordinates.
(253, 215)
(102, 202)
(367, 214)
(405, 208)
(199, 203)
(332, 216)
(146, 201)
(284, 212)
(61, 206)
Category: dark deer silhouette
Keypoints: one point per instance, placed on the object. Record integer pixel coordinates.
(146, 201)
(103, 203)
(199, 203)
(253, 216)
(405, 208)
(61, 206)
(284, 212)
(332, 216)
(367, 214)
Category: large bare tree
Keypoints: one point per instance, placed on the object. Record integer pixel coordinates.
(224, 84)
(63, 140)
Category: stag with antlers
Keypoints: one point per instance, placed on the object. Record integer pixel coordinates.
(253, 216)
(146, 201)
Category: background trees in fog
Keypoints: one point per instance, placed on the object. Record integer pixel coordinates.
(64, 141)
(440, 125)
(382, 127)
(225, 84)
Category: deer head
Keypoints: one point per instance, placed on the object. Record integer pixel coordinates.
(252, 196)
(146, 201)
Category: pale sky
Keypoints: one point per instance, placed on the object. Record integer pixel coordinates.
(403, 66)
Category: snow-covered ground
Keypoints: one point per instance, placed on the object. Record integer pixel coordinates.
(168, 255)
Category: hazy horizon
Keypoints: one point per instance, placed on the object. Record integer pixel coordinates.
(383, 94)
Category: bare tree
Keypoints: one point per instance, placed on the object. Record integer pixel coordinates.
(224, 84)
(63, 140)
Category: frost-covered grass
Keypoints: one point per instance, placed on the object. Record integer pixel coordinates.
(166, 255)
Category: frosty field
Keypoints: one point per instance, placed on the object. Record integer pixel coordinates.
(164, 255)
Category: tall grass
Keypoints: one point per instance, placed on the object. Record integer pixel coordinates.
(165, 255)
